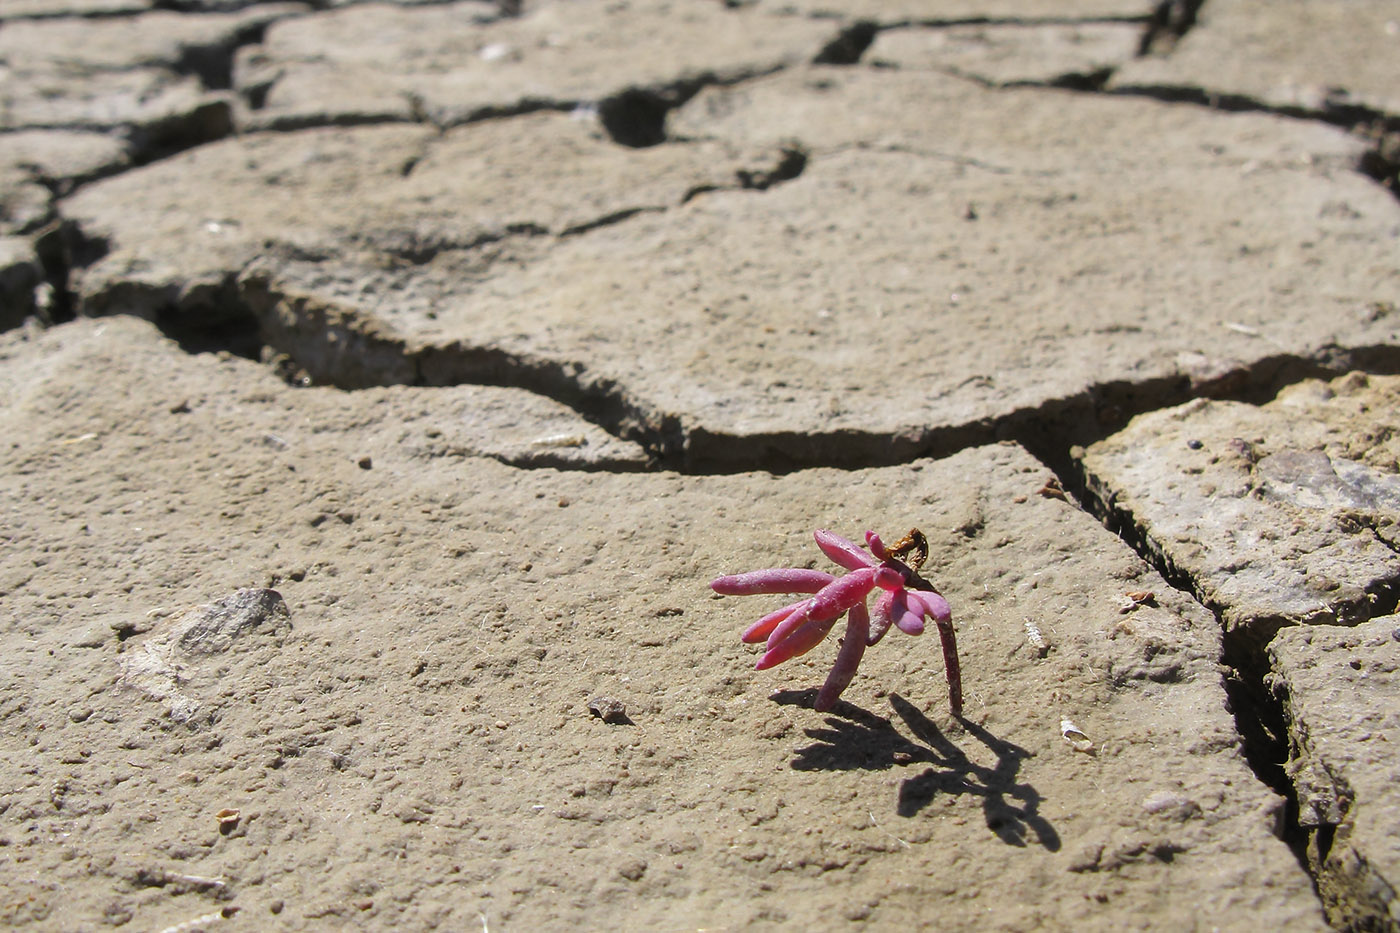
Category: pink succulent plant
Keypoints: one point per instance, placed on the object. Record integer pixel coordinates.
(905, 600)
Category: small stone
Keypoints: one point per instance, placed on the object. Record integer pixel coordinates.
(127, 627)
(633, 869)
(1171, 805)
(365, 463)
(94, 636)
(857, 912)
(1088, 859)
(117, 914)
(609, 710)
(214, 628)
(501, 723)
(79, 715)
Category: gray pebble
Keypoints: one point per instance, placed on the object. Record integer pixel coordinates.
(608, 710)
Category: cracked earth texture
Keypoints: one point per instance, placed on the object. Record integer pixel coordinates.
(384, 382)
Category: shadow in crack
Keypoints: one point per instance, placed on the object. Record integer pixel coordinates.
(855, 739)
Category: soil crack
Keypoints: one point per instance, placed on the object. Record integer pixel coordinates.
(1380, 162)
(1169, 22)
(636, 117)
(330, 344)
(1257, 694)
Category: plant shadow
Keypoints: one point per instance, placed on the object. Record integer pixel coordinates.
(857, 740)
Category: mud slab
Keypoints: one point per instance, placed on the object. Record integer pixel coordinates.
(1318, 57)
(417, 725)
(381, 384)
(1284, 513)
(1338, 687)
(749, 317)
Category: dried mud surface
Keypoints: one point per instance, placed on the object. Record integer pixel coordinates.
(384, 382)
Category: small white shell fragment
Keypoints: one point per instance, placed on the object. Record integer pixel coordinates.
(560, 440)
(1075, 737)
(1037, 640)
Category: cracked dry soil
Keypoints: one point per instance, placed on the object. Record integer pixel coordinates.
(384, 382)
